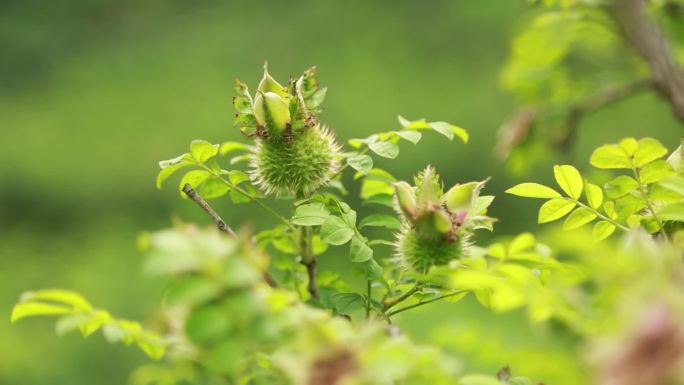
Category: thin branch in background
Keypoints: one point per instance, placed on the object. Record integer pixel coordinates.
(220, 223)
(648, 40)
(605, 97)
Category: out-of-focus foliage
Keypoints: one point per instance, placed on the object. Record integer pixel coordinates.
(571, 60)
(126, 83)
(257, 310)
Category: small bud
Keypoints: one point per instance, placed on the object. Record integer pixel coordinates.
(271, 111)
(268, 84)
(406, 198)
(461, 196)
(442, 221)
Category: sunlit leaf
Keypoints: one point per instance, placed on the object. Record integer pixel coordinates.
(655, 171)
(594, 195)
(649, 150)
(554, 209)
(533, 190)
(602, 230)
(610, 156)
(620, 186)
(569, 180)
(202, 150)
(578, 218)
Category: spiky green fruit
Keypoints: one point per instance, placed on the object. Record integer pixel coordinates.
(436, 225)
(297, 166)
(419, 252)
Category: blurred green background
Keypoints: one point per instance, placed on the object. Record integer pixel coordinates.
(94, 93)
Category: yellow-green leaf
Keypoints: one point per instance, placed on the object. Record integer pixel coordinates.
(578, 218)
(610, 156)
(533, 190)
(554, 209)
(30, 309)
(602, 230)
(648, 151)
(594, 195)
(569, 180)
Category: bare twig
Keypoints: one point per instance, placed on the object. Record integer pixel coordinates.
(220, 224)
(648, 40)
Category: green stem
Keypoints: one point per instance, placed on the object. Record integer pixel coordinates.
(599, 214)
(421, 303)
(649, 204)
(401, 298)
(250, 196)
(368, 299)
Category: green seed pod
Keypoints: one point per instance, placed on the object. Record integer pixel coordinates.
(461, 196)
(406, 199)
(268, 84)
(271, 111)
(298, 166)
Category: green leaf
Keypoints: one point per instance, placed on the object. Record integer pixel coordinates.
(462, 196)
(672, 212)
(620, 186)
(578, 218)
(361, 163)
(610, 156)
(30, 309)
(520, 243)
(310, 214)
(569, 180)
(202, 150)
(213, 188)
(419, 124)
(359, 251)
(371, 187)
(336, 231)
(381, 220)
(533, 190)
(594, 195)
(673, 183)
(348, 302)
(554, 209)
(412, 136)
(655, 171)
(228, 147)
(165, 173)
(385, 149)
(194, 178)
(602, 230)
(649, 150)
(66, 297)
(449, 130)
